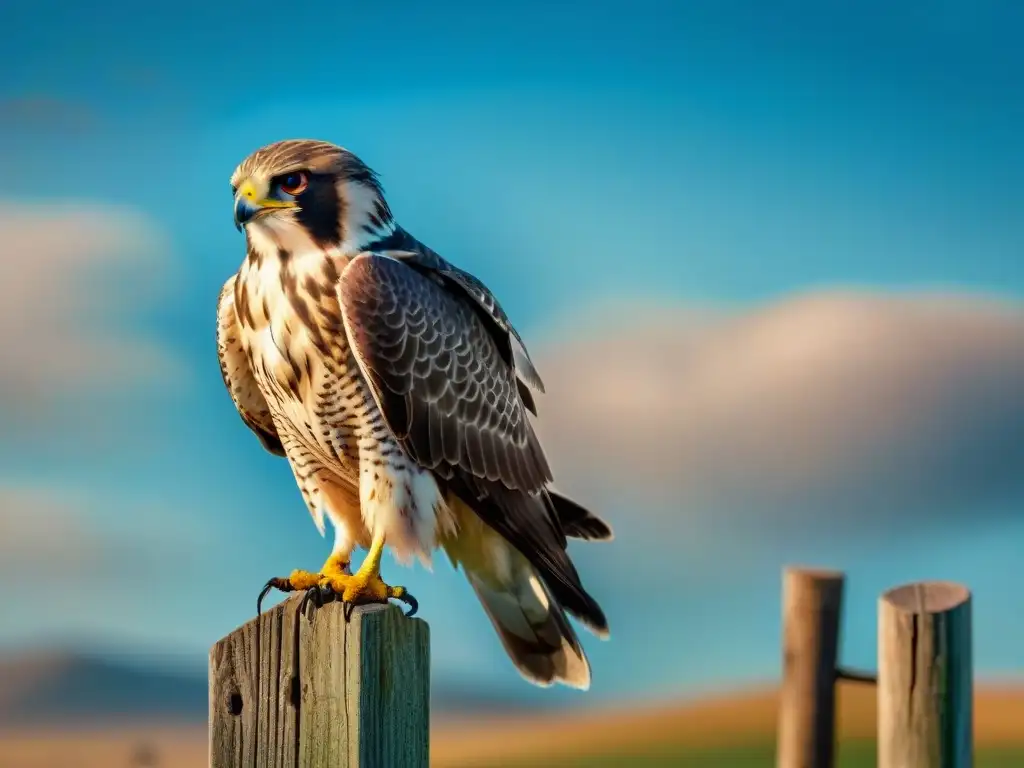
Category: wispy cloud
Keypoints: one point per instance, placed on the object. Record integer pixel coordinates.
(67, 535)
(71, 275)
(828, 407)
(45, 531)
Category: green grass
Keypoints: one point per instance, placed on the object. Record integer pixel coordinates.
(856, 754)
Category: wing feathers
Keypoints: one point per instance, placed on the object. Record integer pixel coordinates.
(460, 415)
(530, 523)
(443, 386)
(405, 247)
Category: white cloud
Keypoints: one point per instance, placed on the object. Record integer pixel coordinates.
(835, 405)
(85, 535)
(70, 274)
(44, 531)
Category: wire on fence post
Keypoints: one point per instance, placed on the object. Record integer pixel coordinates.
(856, 676)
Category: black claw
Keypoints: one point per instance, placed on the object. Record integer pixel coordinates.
(347, 610)
(259, 600)
(312, 595)
(413, 603)
(275, 583)
(319, 596)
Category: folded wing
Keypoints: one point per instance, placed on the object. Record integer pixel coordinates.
(237, 373)
(451, 398)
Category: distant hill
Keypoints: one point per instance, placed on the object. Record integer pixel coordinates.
(38, 687)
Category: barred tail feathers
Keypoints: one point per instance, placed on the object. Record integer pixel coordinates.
(531, 624)
(534, 630)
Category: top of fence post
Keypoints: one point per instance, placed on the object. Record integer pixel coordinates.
(287, 692)
(925, 677)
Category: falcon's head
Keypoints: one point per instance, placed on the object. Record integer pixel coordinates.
(300, 195)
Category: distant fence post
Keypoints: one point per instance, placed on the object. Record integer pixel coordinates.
(290, 694)
(925, 677)
(811, 608)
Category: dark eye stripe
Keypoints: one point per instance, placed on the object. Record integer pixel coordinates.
(321, 211)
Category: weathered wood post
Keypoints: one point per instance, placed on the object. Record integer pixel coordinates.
(812, 601)
(287, 693)
(925, 677)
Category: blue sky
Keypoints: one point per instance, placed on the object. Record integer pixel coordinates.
(720, 155)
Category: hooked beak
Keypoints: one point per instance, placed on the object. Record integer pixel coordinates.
(249, 205)
(245, 209)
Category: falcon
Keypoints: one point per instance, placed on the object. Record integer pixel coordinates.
(397, 389)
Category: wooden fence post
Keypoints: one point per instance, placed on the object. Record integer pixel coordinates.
(811, 607)
(285, 693)
(925, 677)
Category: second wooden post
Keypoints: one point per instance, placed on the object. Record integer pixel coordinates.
(812, 602)
(925, 677)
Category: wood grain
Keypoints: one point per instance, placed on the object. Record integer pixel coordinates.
(287, 693)
(925, 716)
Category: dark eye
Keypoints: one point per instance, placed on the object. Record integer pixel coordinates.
(294, 183)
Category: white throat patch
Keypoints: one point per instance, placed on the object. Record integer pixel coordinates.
(270, 234)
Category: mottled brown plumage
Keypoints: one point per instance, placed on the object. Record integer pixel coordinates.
(443, 386)
(398, 390)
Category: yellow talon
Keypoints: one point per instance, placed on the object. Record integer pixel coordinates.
(303, 580)
(361, 588)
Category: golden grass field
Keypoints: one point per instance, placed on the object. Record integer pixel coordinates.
(566, 739)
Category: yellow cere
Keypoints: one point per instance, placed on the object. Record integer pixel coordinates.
(248, 189)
